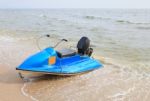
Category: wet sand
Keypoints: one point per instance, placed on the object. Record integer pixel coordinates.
(12, 53)
(10, 85)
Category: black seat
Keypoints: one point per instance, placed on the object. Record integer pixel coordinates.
(66, 53)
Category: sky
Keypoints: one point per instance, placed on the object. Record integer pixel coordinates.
(74, 3)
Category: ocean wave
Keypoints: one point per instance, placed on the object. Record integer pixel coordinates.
(94, 17)
(6, 38)
(43, 16)
(130, 22)
(144, 28)
(116, 20)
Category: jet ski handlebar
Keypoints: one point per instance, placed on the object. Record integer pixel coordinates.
(60, 42)
(64, 40)
(47, 35)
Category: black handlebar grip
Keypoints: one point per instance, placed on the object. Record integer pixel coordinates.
(64, 40)
(47, 35)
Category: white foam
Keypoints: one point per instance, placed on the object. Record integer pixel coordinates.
(6, 38)
(25, 93)
(22, 90)
(122, 94)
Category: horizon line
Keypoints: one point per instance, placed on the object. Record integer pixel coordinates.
(74, 8)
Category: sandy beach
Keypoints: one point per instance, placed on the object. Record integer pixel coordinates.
(12, 53)
(10, 85)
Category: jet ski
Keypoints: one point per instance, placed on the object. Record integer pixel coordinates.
(64, 61)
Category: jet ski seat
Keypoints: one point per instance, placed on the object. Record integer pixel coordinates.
(66, 53)
(83, 48)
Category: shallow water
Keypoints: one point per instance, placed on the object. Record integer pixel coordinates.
(121, 40)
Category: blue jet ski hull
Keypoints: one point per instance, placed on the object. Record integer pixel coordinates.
(64, 66)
